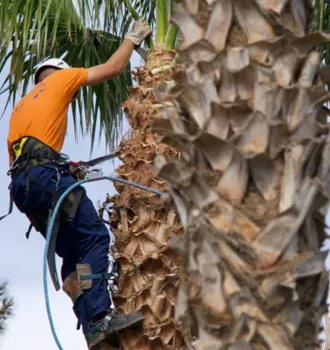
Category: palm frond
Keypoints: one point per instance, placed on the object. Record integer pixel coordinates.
(84, 33)
(322, 8)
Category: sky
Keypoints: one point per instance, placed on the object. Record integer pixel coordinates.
(21, 260)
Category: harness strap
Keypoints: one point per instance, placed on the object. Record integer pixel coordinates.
(11, 206)
(75, 205)
(29, 179)
(96, 276)
(27, 235)
(29, 152)
(35, 223)
(27, 183)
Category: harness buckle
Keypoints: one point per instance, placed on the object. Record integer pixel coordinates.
(92, 173)
(64, 159)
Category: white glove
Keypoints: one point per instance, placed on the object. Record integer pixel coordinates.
(139, 32)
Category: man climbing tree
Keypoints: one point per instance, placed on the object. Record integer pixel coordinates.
(40, 174)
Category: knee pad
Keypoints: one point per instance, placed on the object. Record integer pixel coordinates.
(74, 285)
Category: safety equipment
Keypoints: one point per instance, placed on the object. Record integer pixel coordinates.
(82, 279)
(52, 62)
(107, 329)
(80, 169)
(37, 153)
(139, 32)
(29, 152)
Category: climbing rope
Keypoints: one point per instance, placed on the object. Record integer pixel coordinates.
(50, 229)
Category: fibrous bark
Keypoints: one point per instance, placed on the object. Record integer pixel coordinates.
(251, 180)
(143, 223)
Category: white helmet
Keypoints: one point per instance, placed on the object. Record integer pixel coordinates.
(52, 62)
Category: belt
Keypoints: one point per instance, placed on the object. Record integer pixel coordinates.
(29, 152)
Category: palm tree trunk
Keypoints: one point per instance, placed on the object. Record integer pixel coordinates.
(143, 223)
(251, 180)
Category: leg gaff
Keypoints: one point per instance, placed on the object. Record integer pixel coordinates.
(82, 279)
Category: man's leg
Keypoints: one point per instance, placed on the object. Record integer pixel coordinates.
(91, 239)
(86, 240)
(92, 307)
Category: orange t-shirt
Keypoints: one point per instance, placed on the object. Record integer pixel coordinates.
(43, 112)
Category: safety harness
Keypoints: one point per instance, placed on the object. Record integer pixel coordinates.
(29, 152)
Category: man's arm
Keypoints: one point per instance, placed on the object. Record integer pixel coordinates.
(113, 67)
(120, 59)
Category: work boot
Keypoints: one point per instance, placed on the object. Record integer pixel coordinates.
(108, 328)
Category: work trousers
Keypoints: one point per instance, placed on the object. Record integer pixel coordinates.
(85, 240)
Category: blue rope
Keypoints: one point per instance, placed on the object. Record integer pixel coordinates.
(49, 232)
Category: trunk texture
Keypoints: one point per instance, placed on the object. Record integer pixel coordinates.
(250, 183)
(143, 223)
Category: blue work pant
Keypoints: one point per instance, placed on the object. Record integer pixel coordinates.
(85, 240)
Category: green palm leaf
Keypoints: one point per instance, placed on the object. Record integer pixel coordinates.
(85, 33)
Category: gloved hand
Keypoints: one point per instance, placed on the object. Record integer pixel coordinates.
(139, 32)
